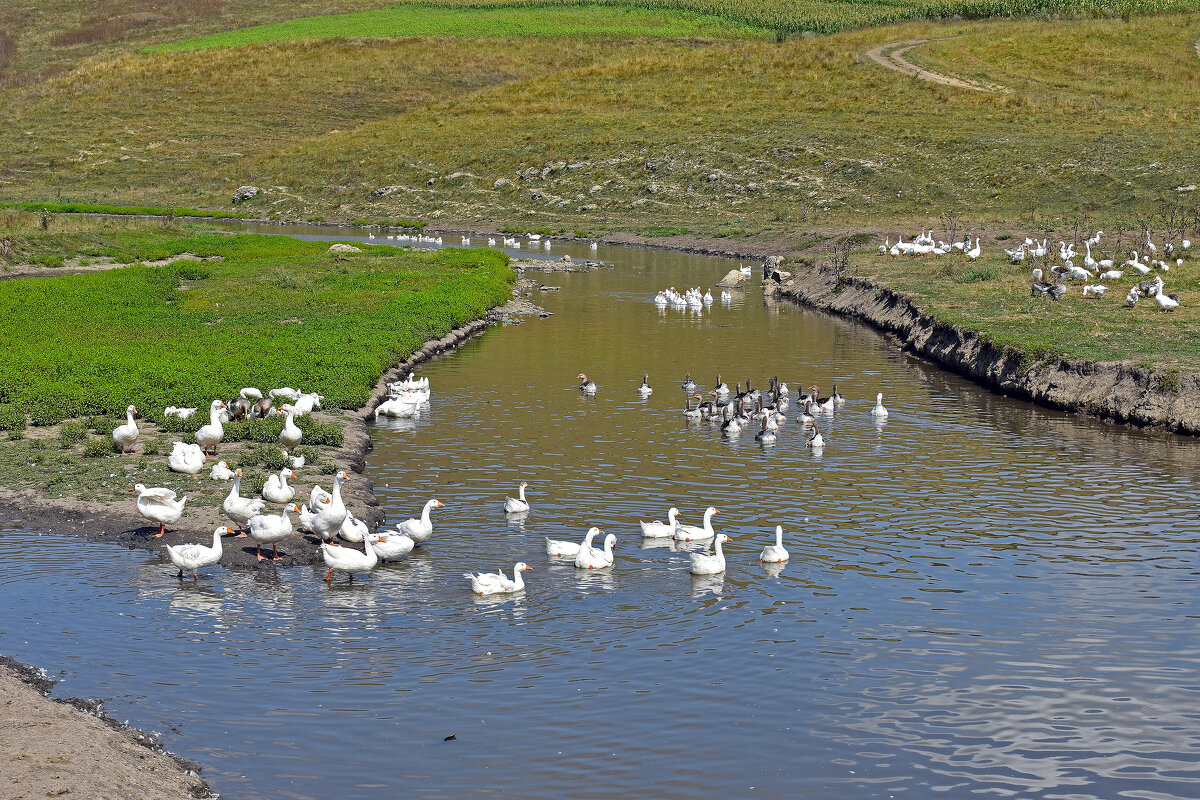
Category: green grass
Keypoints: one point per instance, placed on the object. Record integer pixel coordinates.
(100, 208)
(544, 20)
(993, 296)
(272, 312)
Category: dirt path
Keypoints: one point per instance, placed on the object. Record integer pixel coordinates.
(891, 55)
(75, 266)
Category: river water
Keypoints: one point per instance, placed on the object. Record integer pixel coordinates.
(984, 597)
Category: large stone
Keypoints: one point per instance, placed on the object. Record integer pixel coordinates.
(245, 193)
(501, 183)
(734, 280)
(384, 191)
(341, 247)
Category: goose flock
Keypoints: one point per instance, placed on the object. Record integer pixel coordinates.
(1068, 264)
(532, 240)
(739, 410)
(326, 515)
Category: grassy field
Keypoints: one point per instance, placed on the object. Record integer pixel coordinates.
(588, 21)
(993, 296)
(258, 311)
(100, 208)
(743, 140)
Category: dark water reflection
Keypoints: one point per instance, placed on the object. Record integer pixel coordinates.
(987, 598)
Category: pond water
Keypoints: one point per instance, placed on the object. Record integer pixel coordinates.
(984, 597)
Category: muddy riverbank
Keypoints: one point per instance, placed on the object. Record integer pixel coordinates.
(69, 748)
(1115, 391)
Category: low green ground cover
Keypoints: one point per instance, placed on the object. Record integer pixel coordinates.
(543, 20)
(262, 311)
(100, 208)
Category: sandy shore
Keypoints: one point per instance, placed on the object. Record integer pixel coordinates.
(55, 748)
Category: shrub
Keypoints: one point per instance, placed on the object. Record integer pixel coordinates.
(152, 447)
(71, 434)
(95, 447)
(977, 274)
(11, 418)
(267, 456)
(317, 433)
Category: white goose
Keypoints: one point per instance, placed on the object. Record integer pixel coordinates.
(125, 435)
(775, 553)
(571, 549)
(593, 558)
(193, 557)
(159, 505)
(330, 509)
(878, 410)
(349, 561)
(291, 434)
(485, 583)
(209, 436)
(656, 529)
(706, 564)
(419, 530)
(276, 489)
(518, 504)
(353, 529)
(691, 533)
(390, 544)
(271, 529)
(186, 458)
(241, 509)
(220, 472)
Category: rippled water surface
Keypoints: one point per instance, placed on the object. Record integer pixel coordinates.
(984, 598)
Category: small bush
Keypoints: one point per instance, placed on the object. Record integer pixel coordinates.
(95, 447)
(318, 433)
(267, 456)
(409, 223)
(152, 447)
(11, 419)
(37, 444)
(71, 434)
(1168, 382)
(977, 274)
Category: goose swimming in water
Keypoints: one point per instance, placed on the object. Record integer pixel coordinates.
(688, 384)
(879, 410)
(692, 533)
(587, 387)
(688, 411)
(815, 441)
(485, 583)
(593, 558)
(518, 504)
(714, 564)
(644, 390)
(775, 553)
(571, 549)
(656, 529)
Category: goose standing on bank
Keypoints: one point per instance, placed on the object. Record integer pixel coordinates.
(271, 529)
(775, 553)
(291, 434)
(330, 509)
(692, 533)
(194, 557)
(571, 549)
(706, 564)
(518, 504)
(211, 434)
(419, 530)
(125, 435)
(241, 509)
(159, 505)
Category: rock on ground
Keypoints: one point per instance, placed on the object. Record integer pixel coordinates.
(343, 248)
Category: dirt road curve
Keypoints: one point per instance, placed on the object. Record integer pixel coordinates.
(891, 55)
